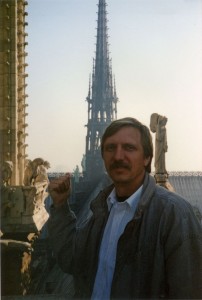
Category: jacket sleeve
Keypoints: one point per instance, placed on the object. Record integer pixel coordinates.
(62, 235)
(183, 253)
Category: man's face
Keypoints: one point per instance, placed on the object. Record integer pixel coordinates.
(124, 156)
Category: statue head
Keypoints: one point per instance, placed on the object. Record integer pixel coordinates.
(153, 122)
(46, 164)
(162, 120)
(38, 161)
(156, 120)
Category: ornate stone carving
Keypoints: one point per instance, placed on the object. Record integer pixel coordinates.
(6, 172)
(158, 126)
(36, 172)
(22, 207)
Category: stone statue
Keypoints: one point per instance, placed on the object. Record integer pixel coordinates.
(42, 176)
(6, 172)
(28, 173)
(32, 171)
(157, 125)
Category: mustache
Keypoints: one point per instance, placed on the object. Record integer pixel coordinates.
(119, 164)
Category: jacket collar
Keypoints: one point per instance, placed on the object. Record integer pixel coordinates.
(99, 204)
(149, 186)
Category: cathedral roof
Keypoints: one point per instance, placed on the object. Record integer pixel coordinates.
(189, 186)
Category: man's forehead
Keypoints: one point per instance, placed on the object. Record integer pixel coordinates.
(125, 134)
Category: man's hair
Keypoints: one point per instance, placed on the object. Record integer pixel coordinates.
(146, 137)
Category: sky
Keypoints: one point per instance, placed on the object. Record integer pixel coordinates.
(156, 51)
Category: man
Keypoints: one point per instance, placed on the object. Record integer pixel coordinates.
(141, 241)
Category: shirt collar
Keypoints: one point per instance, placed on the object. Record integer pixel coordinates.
(132, 200)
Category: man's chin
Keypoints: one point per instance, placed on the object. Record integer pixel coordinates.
(119, 176)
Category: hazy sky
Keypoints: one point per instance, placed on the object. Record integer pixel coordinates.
(156, 51)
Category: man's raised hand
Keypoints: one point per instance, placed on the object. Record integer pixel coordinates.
(59, 189)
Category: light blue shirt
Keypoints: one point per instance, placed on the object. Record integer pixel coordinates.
(120, 214)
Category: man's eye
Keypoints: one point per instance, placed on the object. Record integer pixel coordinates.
(109, 148)
(129, 147)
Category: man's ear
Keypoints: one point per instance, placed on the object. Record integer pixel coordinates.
(146, 161)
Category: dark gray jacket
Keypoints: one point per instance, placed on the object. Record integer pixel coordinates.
(159, 255)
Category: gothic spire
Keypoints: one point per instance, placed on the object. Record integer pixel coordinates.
(102, 100)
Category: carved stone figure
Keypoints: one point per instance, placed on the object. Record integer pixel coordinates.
(157, 125)
(6, 171)
(28, 173)
(23, 206)
(42, 175)
(32, 171)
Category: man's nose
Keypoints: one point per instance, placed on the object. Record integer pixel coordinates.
(119, 153)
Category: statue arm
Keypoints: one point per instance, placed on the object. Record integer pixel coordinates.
(165, 143)
(160, 134)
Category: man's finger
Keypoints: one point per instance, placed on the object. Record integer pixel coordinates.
(60, 184)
